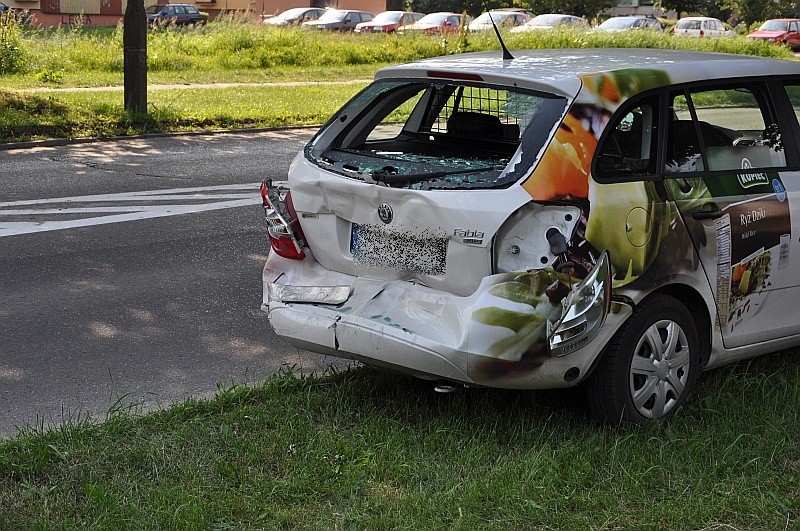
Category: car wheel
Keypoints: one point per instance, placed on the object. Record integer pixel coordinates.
(650, 366)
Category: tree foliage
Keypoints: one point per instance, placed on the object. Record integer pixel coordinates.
(751, 11)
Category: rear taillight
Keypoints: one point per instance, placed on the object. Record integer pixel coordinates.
(284, 232)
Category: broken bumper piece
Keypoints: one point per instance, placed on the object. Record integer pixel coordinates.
(310, 294)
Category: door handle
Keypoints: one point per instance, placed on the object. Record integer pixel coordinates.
(714, 213)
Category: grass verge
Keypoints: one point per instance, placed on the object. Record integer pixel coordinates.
(372, 450)
(101, 114)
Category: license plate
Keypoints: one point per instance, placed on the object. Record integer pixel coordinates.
(377, 247)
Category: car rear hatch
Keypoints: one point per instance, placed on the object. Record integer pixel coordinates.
(412, 179)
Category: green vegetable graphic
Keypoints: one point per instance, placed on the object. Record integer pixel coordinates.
(630, 220)
(526, 316)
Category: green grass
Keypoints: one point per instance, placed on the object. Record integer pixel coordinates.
(101, 114)
(60, 79)
(373, 450)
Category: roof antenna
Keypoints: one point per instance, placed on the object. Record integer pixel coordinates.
(506, 54)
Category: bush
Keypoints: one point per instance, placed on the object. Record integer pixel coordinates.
(12, 52)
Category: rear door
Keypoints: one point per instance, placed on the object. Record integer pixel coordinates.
(731, 168)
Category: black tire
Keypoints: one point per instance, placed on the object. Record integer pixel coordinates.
(650, 366)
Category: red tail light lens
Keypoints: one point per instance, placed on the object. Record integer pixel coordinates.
(284, 232)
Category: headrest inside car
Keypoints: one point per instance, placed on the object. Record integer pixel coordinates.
(474, 125)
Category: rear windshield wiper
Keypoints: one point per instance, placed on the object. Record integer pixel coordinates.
(388, 175)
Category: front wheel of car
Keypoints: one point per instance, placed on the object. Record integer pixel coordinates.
(650, 366)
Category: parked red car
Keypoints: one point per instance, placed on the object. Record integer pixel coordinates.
(388, 22)
(780, 31)
(442, 22)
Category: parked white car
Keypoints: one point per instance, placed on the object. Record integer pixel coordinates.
(624, 218)
(701, 27)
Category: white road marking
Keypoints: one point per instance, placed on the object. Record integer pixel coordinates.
(45, 215)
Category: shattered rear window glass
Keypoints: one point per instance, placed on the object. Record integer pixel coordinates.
(434, 134)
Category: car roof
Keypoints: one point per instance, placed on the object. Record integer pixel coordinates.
(561, 70)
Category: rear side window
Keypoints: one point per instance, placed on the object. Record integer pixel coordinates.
(794, 96)
(719, 129)
(629, 148)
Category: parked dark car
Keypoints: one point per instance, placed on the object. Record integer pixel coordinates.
(339, 20)
(295, 16)
(174, 15)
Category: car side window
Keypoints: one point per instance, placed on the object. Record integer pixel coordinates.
(723, 129)
(629, 147)
(794, 97)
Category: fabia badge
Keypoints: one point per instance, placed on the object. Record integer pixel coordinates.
(385, 212)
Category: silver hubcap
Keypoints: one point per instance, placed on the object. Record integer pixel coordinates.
(659, 369)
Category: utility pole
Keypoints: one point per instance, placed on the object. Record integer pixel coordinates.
(134, 45)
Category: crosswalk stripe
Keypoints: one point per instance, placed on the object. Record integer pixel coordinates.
(48, 214)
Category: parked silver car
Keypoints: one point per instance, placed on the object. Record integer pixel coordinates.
(623, 218)
(339, 20)
(633, 22)
(502, 18)
(295, 16)
(550, 21)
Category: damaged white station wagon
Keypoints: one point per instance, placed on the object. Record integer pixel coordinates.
(620, 217)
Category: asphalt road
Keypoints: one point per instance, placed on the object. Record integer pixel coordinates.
(130, 273)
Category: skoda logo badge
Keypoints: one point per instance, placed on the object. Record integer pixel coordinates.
(385, 212)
